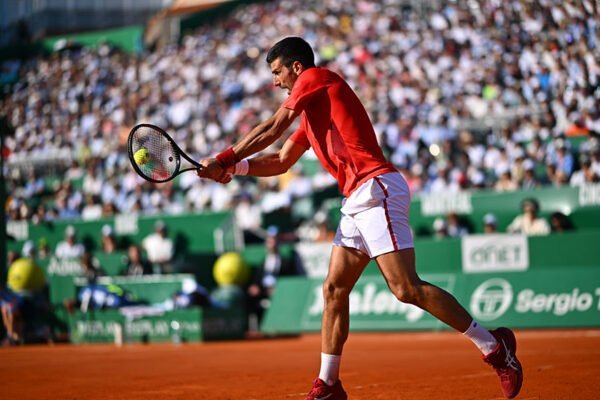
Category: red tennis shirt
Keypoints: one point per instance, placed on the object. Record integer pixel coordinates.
(336, 125)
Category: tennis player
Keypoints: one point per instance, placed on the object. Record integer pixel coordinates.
(374, 223)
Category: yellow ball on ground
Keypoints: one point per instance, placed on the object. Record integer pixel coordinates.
(141, 157)
(24, 274)
(231, 269)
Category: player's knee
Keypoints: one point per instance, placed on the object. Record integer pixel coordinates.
(409, 294)
(334, 292)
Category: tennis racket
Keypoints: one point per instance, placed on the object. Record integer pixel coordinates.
(155, 156)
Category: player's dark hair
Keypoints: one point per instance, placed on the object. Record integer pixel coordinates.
(292, 49)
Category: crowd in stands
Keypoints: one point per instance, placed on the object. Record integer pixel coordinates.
(471, 95)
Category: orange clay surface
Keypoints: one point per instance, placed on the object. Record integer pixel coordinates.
(558, 365)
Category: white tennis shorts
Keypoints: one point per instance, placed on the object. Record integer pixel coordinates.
(375, 216)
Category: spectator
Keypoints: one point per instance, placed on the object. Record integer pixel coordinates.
(29, 250)
(92, 209)
(562, 158)
(24, 304)
(489, 223)
(248, 217)
(43, 249)
(136, 264)
(265, 278)
(529, 179)
(440, 228)
(560, 222)
(505, 182)
(160, 248)
(108, 242)
(529, 223)
(585, 175)
(324, 232)
(454, 226)
(90, 267)
(69, 248)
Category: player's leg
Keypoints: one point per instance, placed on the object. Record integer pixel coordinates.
(12, 323)
(345, 267)
(498, 347)
(398, 269)
(388, 239)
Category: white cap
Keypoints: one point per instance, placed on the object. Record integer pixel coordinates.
(28, 248)
(489, 219)
(439, 224)
(528, 164)
(70, 230)
(107, 230)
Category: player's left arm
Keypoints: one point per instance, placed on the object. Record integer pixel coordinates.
(276, 163)
(262, 136)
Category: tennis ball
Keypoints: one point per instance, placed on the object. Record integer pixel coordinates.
(231, 269)
(141, 157)
(24, 274)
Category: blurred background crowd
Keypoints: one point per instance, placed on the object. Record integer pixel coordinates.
(472, 95)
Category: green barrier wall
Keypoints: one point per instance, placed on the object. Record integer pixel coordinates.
(536, 299)
(192, 233)
(550, 281)
(129, 39)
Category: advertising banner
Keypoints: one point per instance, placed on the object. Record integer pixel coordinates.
(527, 299)
(372, 306)
(565, 298)
(494, 253)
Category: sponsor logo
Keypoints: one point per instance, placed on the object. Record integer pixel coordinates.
(510, 360)
(368, 300)
(589, 195)
(494, 297)
(126, 224)
(555, 303)
(156, 328)
(443, 203)
(491, 299)
(17, 229)
(64, 267)
(494, 253)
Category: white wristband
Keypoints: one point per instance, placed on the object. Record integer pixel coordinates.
(241, 168)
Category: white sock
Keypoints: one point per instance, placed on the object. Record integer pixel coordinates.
(483, 339)
(330, 368)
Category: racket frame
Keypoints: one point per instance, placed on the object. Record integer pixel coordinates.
(178, 154)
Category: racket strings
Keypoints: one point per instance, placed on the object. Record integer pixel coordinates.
(161, 160)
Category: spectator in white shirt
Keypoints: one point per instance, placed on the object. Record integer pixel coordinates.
(159, 248)
(69, 248)
(529, 223)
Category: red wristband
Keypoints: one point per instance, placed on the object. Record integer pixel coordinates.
(227, 158)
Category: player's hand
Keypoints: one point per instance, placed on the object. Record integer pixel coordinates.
(226, 178)
(212, 169)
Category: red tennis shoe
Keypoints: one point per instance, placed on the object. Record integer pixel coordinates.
(322, 391)
(504, 360)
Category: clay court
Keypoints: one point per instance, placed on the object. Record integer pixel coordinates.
(558, 365)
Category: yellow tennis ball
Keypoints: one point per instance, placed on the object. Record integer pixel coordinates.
(25, 274)
(231, 269)
(141, 157)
